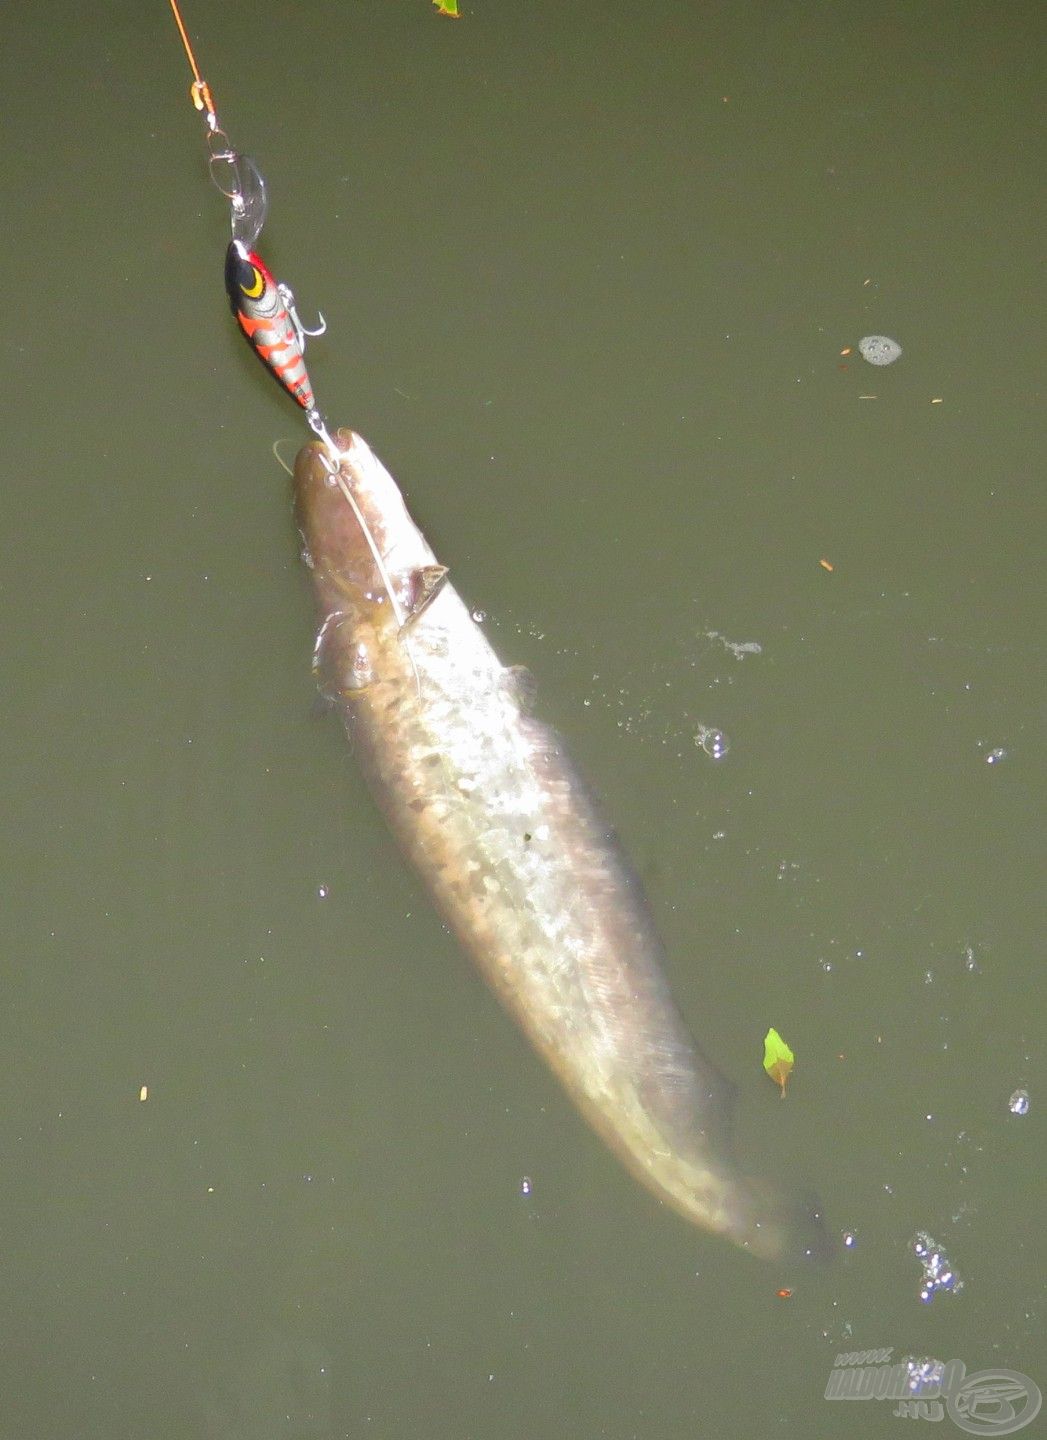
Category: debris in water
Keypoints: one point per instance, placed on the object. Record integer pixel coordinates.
(778, 1059)
(1018, 1104)
(879, 349)
(738, 648)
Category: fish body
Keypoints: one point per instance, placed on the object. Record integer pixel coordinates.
(522, 866)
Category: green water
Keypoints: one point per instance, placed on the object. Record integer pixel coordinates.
(588, 272)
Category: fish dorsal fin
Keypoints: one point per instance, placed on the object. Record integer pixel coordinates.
(423, 587)
(519, 683)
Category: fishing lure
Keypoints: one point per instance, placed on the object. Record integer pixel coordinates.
(264, 309)
(266, 314)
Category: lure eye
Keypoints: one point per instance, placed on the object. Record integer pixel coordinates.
(244, 277)
(257, 285)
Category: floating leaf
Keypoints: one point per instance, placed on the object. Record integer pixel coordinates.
(447, 7)
(777, 1058)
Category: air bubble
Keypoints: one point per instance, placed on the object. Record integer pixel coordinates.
(922, 1374)
(714, 742)
(938, 1274)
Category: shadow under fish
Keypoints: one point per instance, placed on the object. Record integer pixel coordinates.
(521, 865)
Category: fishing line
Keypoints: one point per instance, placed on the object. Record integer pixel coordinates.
(279, 458)
(264, 307)
(340, 481)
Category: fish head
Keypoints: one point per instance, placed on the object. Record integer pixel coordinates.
(372, 567)
(340, 528)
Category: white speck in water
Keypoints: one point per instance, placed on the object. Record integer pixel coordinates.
(526, 1185)
(850, 1240)
(321, 890)
(879, 349)
(996, 756)
(1018, 1104)
(479, 616)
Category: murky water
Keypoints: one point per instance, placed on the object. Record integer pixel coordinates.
(589, 274)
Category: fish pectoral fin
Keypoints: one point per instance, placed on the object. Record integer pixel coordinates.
(423, 586)
(341, 667)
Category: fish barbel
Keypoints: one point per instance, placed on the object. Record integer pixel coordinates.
(521, 865)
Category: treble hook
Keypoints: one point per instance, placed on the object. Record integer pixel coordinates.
(287, 296)
(332, 461)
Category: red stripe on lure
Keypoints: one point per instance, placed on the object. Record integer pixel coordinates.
(266, 314)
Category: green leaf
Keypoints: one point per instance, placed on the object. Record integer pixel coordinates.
(777, 1058)
(447, 7)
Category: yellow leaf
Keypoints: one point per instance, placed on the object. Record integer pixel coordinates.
(777, 1058)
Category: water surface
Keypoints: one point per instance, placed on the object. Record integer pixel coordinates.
(589, 272)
